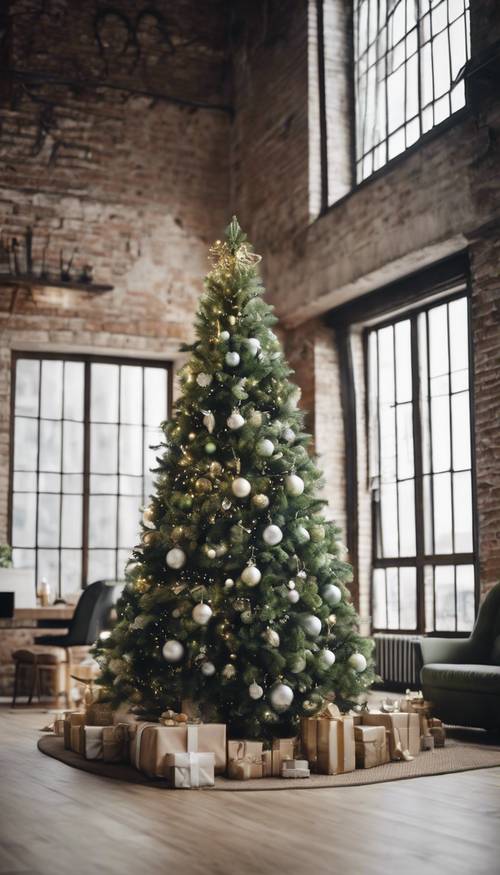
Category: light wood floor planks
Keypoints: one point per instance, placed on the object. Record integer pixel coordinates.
(59, 821)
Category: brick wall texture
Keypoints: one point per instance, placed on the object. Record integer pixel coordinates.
(117, 141)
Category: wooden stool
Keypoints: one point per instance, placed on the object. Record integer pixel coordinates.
(33, 661)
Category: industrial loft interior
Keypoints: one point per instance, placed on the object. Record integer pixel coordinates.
(249, 437)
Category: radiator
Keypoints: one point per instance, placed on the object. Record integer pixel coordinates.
(398, 660)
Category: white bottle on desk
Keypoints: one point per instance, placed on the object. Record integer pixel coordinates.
(44, 592)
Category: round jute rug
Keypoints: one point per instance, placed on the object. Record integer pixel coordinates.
(463, 751)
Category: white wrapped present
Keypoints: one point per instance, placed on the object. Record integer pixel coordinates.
(187, 771)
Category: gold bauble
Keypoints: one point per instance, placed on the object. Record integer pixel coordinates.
(203, 485)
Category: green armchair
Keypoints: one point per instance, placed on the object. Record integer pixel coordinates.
(462, 676)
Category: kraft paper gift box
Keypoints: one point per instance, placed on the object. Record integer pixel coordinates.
(295, 769)
(244, 760)
(328, 742)
(371, 746)
(404, 732)
(151, 742)
(189, 771)
(115, 743)
(72, 718)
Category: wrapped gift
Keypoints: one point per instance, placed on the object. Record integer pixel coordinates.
(438, 732)
(115, 743)
(404, 732)
(371, 746)
(187, 771)
(72, 719)
(328, 741)
(151, 742)
(244, 760)
(295, 769)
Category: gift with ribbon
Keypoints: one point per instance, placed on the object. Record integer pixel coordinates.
(403, 732)
(189, 771)
(151, 742)
(328, 741)
(295, 769)
(244, 760)
(371, 746)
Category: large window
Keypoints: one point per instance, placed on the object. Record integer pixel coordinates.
(421, 472)
(83, 432)
(407, 54)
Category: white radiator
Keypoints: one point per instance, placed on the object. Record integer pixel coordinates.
(398, 660)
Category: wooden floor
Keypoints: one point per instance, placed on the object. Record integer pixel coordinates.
(55, 820)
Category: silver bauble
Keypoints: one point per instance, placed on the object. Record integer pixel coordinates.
(294, 485)
(172, 650)
(235, 420)
(272, 535)
(332, 594)
(281, 697)
(232, 359)
(255, 691)
(241, 487)
(175, 558)
(251, 575)
(201, 614)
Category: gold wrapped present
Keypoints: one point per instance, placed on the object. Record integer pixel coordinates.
(244, 760)
(115, 743)
(71, 719)
(151, 742)
(189, 771)
(404, 732)
(328, 741)
(371, 746)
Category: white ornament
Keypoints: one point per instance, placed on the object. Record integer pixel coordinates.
(251, 575)
(272, 535)
(204, 380)
(294, 484)
(272, 637)
(148, 517)
(311, 624)
(176, 558)
(253, 345)
(224, 335)
(260, 501)
(357, 661)
(232, 359)
(208, 669)
(201, 614)
(264, 448)
(326, 658)
(256, 419)
(228, 671)
(332, 594)
(255, 691)
(241, 487)
(303, 535)
(235, 420)
(208, 420)
(288, 435)
(228, 583)
(172, 650)
(281, 697)
(293, 596)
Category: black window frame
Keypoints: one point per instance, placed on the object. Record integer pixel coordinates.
(87, 359)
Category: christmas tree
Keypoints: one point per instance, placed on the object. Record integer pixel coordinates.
(237, 597)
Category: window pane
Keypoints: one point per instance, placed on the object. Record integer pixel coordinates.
(27, 383)
(465, 598)
(444, 576)
(104, 393)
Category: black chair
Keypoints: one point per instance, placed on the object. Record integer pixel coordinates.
(90, 617)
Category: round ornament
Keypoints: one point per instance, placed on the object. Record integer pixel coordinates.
(203, 485)
(251, 575)
(311, 624)
(357, 661)
(260, 501)
(172, 650)
(176, 558)
(332, 594)
(264, 448)
(272, 637)
(297, 663)
(224, 335)
(228, 672)
(241, 487)
(203, 380)
(281, 697)
(208, 669)
(148, 517)
(235, 420)
(210, 448)
(303, 535)
(326, 658)
(232, 359)
(294, 484)
(255, 691)
(293, 596)
(253, 345)
(272, 535)
(201, 614)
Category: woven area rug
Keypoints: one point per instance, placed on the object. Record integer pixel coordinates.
(463, 751)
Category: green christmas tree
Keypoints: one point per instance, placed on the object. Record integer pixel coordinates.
(237, 597)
